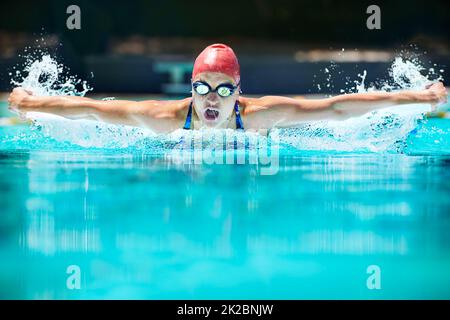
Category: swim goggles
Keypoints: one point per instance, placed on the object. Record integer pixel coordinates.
(224, 90)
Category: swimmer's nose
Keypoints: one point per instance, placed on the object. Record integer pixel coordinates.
(212, 97)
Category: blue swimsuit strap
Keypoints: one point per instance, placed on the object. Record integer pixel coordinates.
(187, 123)
(239, 123)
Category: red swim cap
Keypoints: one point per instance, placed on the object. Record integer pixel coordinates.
(217, 58)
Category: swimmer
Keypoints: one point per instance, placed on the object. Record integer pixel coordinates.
(216, 102)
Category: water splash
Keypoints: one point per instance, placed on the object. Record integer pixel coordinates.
(384, 130)
(406, 72)
(381, 131)
(44, 76)
(408, 75)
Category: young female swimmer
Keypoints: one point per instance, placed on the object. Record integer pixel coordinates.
(216, 102)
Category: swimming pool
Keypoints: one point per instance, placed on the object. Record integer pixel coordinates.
(140, 225)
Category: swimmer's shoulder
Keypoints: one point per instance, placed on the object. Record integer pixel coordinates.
(167, 109)
(250, 105)
(181, 107)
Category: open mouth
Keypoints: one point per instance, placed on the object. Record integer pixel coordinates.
(211, 114)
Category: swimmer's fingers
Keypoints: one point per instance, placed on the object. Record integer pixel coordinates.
(17, 98)
(443, 95)
(441, 99)
(13, 108)
(11, 102)
(436, 93)
(22, 91)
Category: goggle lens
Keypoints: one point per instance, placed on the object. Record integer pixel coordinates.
(224, 91)
(201, 89)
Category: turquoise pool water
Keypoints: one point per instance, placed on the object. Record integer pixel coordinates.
(139, 225)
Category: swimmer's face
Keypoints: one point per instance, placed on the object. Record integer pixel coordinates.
(213, 109)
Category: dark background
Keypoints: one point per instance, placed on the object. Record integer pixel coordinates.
(120, 41)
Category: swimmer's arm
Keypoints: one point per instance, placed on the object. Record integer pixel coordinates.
(357, 104)
(161, 116)
(275, 111)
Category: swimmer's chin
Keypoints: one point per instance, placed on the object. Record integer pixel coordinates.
(213, 123)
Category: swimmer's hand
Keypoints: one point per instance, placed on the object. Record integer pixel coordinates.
(435, 93)
(18, 99)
